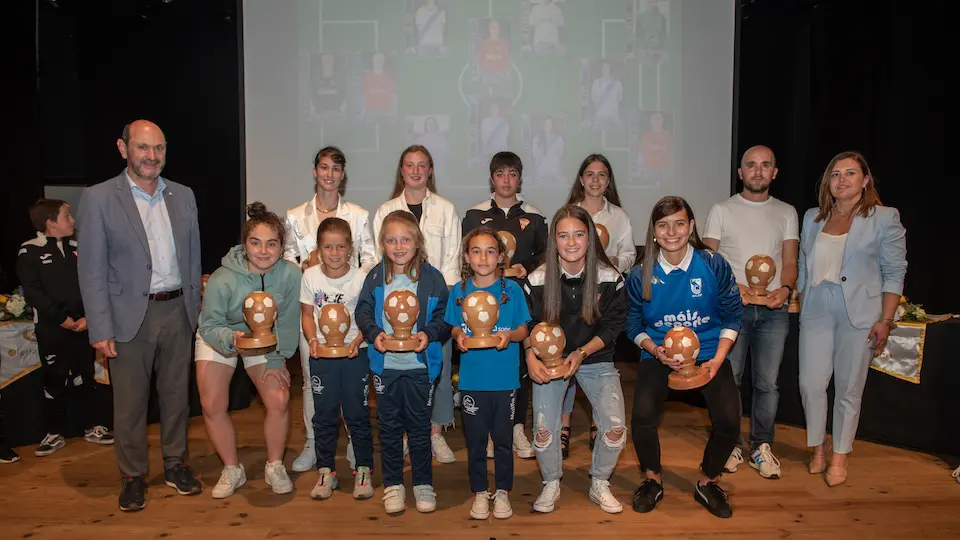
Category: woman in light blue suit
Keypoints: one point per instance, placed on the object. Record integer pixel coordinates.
(852, 264)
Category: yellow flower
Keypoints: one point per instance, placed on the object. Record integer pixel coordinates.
(903, 300)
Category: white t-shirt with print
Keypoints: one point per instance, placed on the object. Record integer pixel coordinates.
(317, 289)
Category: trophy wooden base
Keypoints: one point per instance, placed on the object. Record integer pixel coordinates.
(333, 352)
(793, 307)
(510, 272)
(759, 299)
(401, 345)
(555, 368)
(256, 342)
(696, 378)
(481, 342)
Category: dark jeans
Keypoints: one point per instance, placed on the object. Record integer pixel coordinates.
(763, 332)
(523, 393)
(404, 403)
(341, 384)
(489, 413)
(723, 404)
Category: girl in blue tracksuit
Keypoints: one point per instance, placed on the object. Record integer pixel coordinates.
(404, 381)
(681, 283)
(489, 377)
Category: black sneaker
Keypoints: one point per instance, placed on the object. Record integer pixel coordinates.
(565, 442)
(7, 455)
(50, 444)
(98, 435)
(181, 479)
(133, 494)
(712, 497)
(646, 497)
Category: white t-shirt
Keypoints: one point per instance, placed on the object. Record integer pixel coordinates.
(545, 20)
(745, 228)
(437, 19)
(317, 289)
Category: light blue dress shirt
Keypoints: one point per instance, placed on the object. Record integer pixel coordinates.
(156, 223)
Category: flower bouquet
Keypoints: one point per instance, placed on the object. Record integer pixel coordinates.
(907, 311)
(14, 306)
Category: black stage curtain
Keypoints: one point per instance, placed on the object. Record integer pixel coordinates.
(815, 78)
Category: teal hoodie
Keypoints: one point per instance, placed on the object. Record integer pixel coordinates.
(228, 287)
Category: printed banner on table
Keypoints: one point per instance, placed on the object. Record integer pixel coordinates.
(18, 351)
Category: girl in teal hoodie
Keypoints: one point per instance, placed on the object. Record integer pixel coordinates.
(255, 265)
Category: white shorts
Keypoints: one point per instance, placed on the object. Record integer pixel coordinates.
(205, 352)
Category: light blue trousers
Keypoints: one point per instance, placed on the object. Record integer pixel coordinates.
(831, 347)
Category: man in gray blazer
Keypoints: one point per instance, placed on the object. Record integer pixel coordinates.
(139, 267)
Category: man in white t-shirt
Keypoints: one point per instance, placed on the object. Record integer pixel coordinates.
(431, 20)
(747, 224)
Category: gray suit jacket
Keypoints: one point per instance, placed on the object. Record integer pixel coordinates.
(114, 261)
(874, 262)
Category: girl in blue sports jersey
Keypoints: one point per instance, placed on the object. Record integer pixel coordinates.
(489, 378)
(682, 283)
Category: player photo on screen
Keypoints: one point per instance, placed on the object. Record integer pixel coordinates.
(426, 28)
(379, 87)
(542, 25)
(490, 51)
(601, 93)
(328, 87)
(545, 144)
(652, 148)
(490, 129)
(650, 29)
(433, 132)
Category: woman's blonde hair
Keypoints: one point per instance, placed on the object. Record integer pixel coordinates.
(419, 258)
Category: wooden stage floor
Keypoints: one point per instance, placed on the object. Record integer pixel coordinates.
(890, 493)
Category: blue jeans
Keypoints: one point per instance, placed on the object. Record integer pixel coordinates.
(600, 382)
(763, 332)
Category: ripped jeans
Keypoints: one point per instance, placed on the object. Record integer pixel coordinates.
(601, 384)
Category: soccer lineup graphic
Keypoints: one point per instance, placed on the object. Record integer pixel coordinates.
(551, 80)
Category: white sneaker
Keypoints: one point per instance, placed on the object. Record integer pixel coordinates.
(426, 498)
(734, 461)
(362, 484)
(275, 475)
(521, 445)
(600, 494)
(351, 458)
(394, 499)
(325, 485)
(490, 452)
(307, 459)
(232, 477)
(501, 505)
(956, 474)
(481, 506)
(548, 497)
(441, 450)
(765, 462)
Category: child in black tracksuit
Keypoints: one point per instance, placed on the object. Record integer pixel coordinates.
(47, 268)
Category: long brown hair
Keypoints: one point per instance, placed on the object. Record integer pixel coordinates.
(869, 196)
(431, 181)
(666, 206)
(338, 158)
(258, 214)
(419, 258)
(466, 271)
(577, 193)
(552, 296)
(336, 225)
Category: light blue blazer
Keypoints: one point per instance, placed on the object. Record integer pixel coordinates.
(874, 262)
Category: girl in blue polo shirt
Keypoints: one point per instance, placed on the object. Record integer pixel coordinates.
(489, 378)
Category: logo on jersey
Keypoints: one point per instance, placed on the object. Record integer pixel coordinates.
(684, 318)
(523, 223)
(469, 405)
(696, 287)
(486, 220)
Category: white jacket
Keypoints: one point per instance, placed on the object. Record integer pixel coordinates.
(441, 232)
(302, 222)
(621, 245)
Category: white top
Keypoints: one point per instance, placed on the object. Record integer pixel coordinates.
(545, 19)
(302, 222)
(828, 257)
(746, 228)
(441, 232)
(621, 245)
(316, 290)
(430, 24)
